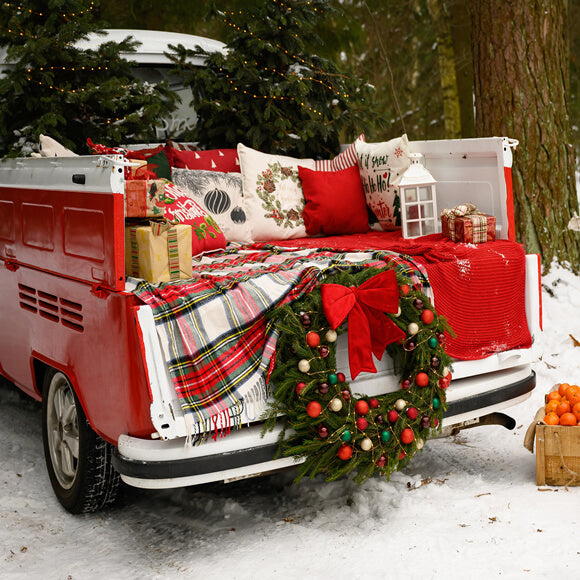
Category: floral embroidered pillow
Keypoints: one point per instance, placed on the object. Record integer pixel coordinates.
(220, 194)
(381, 167)
(273, 194)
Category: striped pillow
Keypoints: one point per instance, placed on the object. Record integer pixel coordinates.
(343, 160)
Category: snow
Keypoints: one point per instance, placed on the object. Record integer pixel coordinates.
(466, 507)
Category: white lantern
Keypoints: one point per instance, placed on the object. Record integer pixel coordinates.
(418, 200)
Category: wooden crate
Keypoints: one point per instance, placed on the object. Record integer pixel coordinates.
(557, 455)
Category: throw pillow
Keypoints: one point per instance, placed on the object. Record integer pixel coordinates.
(224, 160)
(206, 233)
(273, 194)
(381, 167)
(346, 158)
(335, 202)
(220, 194)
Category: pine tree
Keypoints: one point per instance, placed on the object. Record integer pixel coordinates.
(268, 91)
(55, 88)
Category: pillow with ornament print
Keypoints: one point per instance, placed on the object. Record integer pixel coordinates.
(381, 167)
(273, 194)
(220, 194)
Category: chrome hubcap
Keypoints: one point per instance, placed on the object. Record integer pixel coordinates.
(63, 430)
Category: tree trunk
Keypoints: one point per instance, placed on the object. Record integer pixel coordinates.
(451, 110)
(520, 60)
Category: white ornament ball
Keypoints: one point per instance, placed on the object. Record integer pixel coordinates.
(303, 366)
(335, 405)
(331, 335)
(446, 371)
(420, 443)
(413, 328)
(366, 444)
(400, 404)
(398, 312)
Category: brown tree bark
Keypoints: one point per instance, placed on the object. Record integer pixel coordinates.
(445, 56)
(520, 60)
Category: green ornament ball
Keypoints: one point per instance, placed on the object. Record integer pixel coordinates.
(385, 436)
(436, 403)
(333, 378)
(433, 342)
(346, 436)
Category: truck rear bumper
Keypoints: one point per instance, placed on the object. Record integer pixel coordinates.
(245, 453)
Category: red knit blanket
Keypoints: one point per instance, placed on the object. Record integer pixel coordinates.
(480, 289)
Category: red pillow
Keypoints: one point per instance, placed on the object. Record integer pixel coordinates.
(179, 207)
(335, 202)
(224, 160)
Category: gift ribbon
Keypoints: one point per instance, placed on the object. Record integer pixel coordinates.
(370, 330)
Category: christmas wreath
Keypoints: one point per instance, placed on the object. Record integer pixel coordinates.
(335, 430)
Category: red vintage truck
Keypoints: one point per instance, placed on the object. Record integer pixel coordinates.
(74, 335)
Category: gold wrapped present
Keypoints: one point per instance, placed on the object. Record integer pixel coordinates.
(158, 251)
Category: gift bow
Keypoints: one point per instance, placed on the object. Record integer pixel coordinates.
(460, 211)
(370, 330)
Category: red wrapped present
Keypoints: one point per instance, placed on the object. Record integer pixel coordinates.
(145, 198)
(465, 224)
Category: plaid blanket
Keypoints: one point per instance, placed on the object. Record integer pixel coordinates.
(218, 343)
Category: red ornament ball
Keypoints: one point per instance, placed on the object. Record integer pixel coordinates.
(361, 407)
(300, 387)
(323, 388)
(312, 339)
(422, 379)
(405, 289)
(443, 383)
(412, 413)
(382, 461)
(322, 431)
(406, 384)
(427, 316)
(345, 394)
(407, 436)
(323, 351)
(402, 455)
(374, 403)
(313, 409)
(344, 452)
(392, 416)
(341, 377)
(361, 423)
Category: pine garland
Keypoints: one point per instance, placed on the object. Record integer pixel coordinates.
(352, 432)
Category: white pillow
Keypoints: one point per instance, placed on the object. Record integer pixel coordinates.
(381, 167)
(220, 194)
(273, 194)
(49, 147)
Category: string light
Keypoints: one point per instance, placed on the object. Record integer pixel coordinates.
(20, 8)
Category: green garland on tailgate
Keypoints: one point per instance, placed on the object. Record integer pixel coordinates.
(334, 429)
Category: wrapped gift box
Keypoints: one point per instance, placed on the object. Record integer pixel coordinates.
(465, 224)
(158, 251)
(145, 198)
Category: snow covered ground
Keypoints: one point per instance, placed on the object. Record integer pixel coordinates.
(466, 507)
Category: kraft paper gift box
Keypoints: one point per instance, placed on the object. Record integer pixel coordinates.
(158, 251)
(465, 224)
(145, 198)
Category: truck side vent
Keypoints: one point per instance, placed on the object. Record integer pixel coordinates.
(51, 307)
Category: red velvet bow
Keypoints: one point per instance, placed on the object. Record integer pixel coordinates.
(370, 330)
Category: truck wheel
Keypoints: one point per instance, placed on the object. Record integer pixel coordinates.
(78, 460)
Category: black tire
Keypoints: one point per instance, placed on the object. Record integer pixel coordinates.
(79, 462)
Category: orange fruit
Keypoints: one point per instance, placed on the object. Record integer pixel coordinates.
(562, 389)
(568, 419)
(551, 406)
(563, 407)
(573, 394)
(553, 396)
(576, 411)
(552, 419)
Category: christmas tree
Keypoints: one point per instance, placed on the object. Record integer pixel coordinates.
(268, 91)
(53, 87)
